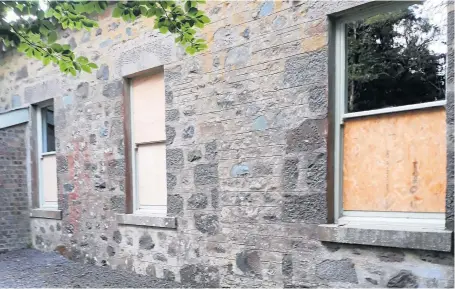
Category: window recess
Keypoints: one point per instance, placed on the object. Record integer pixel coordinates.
(390, 117)
(47, 162)
(148, 144)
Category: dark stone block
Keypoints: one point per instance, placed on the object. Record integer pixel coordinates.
(207, 223)
(22, 73)
(168, 275)
(316, 173)
(174, 204)
(206, 174)
(391, 255)
(146, 242)
(311, 208)
(170, 134)
(103, 72)
(171, 181)
(194, 155)
(174, 158)
(211, 150)
(113, 89)
(68, 188)
(160, 257)
(188, 132)
(296, 70)
(72, 43)
(150, 270)
(372, 281)
(117, 203)
(215, 197)
(197, 201)
(110, 251)
(172, 115)
(404, 279)
(290, 174)
(286, 265)
(200, 275)
(309, 136)
(117, 237)
(436, 257)
(249, 262)
(337, 271)
(82, 90)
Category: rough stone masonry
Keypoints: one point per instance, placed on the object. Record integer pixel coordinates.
(246, 126)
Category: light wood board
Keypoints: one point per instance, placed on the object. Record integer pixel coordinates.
(395, 162)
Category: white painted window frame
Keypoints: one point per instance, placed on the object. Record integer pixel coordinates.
(137, 207)
(433, 220)
(41, 141)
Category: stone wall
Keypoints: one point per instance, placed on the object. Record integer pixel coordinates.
(246, 125)
(14, 205)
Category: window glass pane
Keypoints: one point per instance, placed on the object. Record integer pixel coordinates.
(397, 58)
(48, 129)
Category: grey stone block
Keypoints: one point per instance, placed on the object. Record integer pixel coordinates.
(337, 271)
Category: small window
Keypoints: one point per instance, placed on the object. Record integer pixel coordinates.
(148, 144)
(48, 129)
(47, 162)
(390, 118)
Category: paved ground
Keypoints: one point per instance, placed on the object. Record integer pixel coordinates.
(32, 268)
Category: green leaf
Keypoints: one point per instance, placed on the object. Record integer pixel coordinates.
(117, 12)
(86, 68)
(72, 71)
(164, 29)
(51, 37)
(57, 47)
(190, 50)
(93, 65)
(46, 60)
(43, 30)
(204, 19)
(82, 60)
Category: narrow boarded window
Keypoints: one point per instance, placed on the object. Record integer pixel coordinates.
(47, 160)
(149, 144)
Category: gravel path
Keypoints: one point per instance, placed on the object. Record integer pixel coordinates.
(32, 268)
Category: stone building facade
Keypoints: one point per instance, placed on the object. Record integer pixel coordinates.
(247, 129)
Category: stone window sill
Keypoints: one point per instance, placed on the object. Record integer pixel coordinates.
(399, 236)
(46, 213)
(147, 221)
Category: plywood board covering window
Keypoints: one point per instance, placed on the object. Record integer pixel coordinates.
(47, 162)
(148, 109)
(49, 167)
(395, 162)
(149, 144)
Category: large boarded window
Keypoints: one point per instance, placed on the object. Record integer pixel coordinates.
(47, 163)
(390, 112)
(148, 138)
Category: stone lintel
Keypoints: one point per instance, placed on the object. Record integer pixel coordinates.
(46, 213)
(434, 240)
(147, 221)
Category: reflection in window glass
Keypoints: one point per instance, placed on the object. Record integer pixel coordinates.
(397, 58)
(48, 129)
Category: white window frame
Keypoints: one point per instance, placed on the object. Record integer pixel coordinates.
(408, 219)
(137, 207)
(42, 142)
